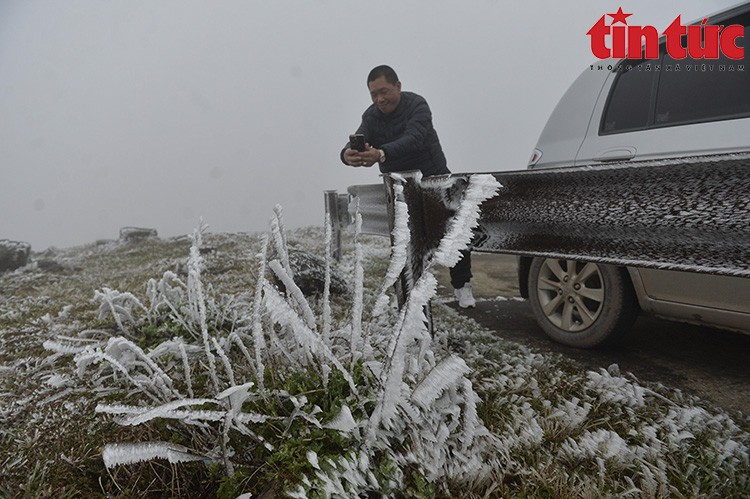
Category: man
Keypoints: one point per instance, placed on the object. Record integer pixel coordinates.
(399, 136)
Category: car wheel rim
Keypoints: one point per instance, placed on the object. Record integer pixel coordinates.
(571, 294)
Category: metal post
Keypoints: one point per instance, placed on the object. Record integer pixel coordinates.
(331, 199)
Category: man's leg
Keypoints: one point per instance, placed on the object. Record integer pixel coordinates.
(461, 281)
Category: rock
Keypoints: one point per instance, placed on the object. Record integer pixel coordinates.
(136, 234)
(310, 272)
(13, 254)
(50, 252)
(47, 265)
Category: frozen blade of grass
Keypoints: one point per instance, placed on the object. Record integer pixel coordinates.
(237, 396)
(186, 369)
(472, 425)
(128, 413)
(235, 338)
(343, 421)
(124, 453)
(161, 293)
(281, 313)
(173, 347)
(198, 303)
(225, 360)
(447, 373)
(344, 477)
(119, 348)
(61, 348)
(312, 458)
(95, 356)
(279, 239)
(299, 412)
(412, 321)
(571, 413)
(602, 443)
(119, 305)
(141, 415)
(226, 449)
(293, 290)
(615, 389)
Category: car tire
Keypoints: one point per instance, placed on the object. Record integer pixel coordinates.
(581, 304)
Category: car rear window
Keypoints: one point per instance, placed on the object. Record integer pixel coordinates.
(669, 92)
(703, 90)
(630, 100)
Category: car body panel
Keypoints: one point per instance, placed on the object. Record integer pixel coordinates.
(698, 139)
(713, 300)
(568, 124)
(573, 137)
(712, 291)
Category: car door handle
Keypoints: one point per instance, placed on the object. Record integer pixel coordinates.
(617, 154)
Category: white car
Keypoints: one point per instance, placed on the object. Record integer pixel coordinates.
(642, 114)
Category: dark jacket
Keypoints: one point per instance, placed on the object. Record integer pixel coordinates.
(406, 136)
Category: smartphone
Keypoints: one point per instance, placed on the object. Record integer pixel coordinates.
(357, 142)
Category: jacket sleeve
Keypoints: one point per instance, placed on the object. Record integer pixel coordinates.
(363, 130)
(418, 125)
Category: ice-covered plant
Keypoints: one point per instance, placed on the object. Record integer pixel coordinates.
(366, 400)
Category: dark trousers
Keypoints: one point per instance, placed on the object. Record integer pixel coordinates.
(461, 272)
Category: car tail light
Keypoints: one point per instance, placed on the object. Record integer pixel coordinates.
(536, 155)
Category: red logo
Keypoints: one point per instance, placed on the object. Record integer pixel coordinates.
(702, 41)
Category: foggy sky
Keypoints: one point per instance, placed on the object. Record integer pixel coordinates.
(155, 113)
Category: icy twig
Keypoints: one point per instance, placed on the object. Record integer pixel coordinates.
(326, 313)
(411, 329)
(357, 306)
(279, 239)
(399, 248)
(258, 339)
(197, 301)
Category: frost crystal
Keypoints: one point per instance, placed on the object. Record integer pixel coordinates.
(459, 233)
(118, 454)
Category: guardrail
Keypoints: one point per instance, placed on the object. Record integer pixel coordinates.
(686, 214)
(367, 200)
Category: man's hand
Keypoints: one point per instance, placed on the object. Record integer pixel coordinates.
(367, 158)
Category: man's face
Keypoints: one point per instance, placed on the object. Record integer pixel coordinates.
(385, 96)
